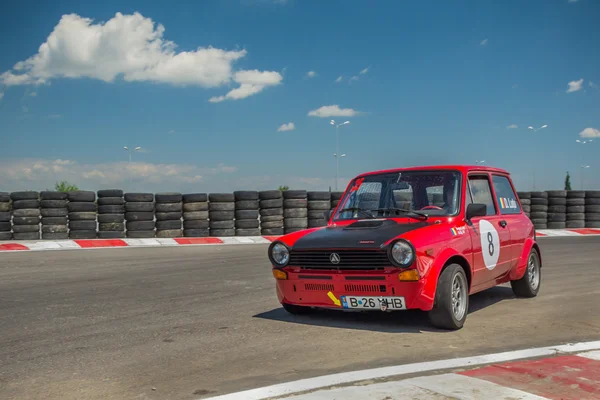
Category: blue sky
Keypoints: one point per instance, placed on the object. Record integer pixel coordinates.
(441, 83)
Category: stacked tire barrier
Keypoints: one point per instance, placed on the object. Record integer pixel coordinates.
(111, 214)
(195, 215)
(5, 217)
(575, 209)
(318, 204)
(139, 215)
(271, 212)
(82, 215)
(592, 209)
(525, 199)
(25, 215)
(221, 214)
(55, 223)
(169, 210)
(335, 198)
(557, 209)
(295, 210)
(246, 213)
(539, 209)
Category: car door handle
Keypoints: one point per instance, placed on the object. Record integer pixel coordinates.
(503, 223)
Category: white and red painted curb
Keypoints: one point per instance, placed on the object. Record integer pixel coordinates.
(569, 371)
(158, 242)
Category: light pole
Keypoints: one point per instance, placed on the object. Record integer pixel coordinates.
(582, 168)
(337, 151)
(477, 162)
(531, 128)
(129, 151)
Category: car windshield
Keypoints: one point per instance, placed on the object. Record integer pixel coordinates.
(435, 193)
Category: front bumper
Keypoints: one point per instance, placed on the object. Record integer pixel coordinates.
(314, 288)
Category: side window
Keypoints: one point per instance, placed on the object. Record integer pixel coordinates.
(506, 197)
(482, 192)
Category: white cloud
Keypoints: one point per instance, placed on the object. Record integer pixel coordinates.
(311, 74)
(251, 82)
(354, 78)
(573, 1)
(33, 94)
(484, 42)
(515, 86)
(593, 85)
(171, 132)
(513, 126)
(339, 79)
(286, 127)
(54, 116)
(364, 71)
(575, 86)
(131, 46)
(333, 111)
(590, 133)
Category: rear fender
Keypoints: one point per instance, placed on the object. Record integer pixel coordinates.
(519, 269)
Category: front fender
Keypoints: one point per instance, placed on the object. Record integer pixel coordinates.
(521, 266)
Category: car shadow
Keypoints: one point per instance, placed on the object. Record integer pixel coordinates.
(410, 321)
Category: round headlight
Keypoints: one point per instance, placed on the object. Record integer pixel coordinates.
(280, 254)
(402, 253)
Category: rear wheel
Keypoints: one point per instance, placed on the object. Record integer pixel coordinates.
(529, 284)
(293, 309)
(451, 299)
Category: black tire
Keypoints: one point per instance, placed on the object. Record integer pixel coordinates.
(295, 203)
(246, 224)
(525, 202)
(4, 216)
(81, 207)
(592, 202)
(111, 201)
(140, 234)
(139, 207)
(5, 226)
(270, 194)
(25, 228)
(26, 195)
(592, 224)
(140, 225)
(26, 220)
(538, 208)
(272, 218)
(55, 221)
(271, 224)
(442, 315)
(82, 196)
(111, 210)
(524, 195)
(168, 207)
(557, 209)
(26, 236)
(295, 194)
(287, 231)
(195, 215)
(576, 202)
(51, 195)
(168, 197)
(588, 217)
(246, 214)
(575, 224)
(82, 216)
(592, 209)
(82, 225)
(245, 195)
(221, 206)
(111, 227)
(529, 285)
(54, 212)
(557, 225)
(4, 207)
(526, 209)
(55, 235)
(54, 229)
(221, 224)
(538, 221)
(139, 216)
(87, 234)
(557, 193)
(271, 203)
(53, 203)
(319, 196)
(222, 215)
(557, 217)
(301, 223)
(317, 223)
(592, 194)
(576, 194)
(6, 235)
(222, 232)
(246, 205)
(266, 212)
(196, 233)
(25, 204)
(295, 213)
(198, 206)
(111, 235)
(195, 198)
(4, 197)
(198, 224)
(538, 215)
(138, 197)
(247, 232)
(168, 225)
(169, 233)
(539, 195)
(575, 217)
(319, 205)
(34, 212)
(108, 193)
(221, 197)
(557, 201)
(110, 218)
(336, 196)
(168, 216)
(537, 201)
(575, 209)
(272, 231)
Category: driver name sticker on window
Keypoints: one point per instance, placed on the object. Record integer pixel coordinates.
(507, 203)
(490, 244)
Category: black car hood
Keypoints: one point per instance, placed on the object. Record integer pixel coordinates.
(361, 234)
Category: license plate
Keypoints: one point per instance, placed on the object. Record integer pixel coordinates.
(373, 302)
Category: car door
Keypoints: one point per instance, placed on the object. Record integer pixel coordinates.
(490, 236)
(510, 211)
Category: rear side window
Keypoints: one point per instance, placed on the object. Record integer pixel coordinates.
(505, 195)
(481, 192)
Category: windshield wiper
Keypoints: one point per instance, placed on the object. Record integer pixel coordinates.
(358, 209)
(422, 216)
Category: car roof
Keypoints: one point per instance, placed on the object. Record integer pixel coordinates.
(457, 167)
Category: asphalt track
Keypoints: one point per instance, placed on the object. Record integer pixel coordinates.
(187, 323)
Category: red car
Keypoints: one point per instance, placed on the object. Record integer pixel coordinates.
(421, 238)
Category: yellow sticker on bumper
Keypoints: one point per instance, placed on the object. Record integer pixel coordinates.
(334, 299)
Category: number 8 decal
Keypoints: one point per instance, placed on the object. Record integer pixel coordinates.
(490, 244)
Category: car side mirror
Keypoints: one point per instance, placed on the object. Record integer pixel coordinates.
(476, 210)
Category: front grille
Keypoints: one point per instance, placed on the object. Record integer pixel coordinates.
(318, 286)
(362, 288)
(349, 259)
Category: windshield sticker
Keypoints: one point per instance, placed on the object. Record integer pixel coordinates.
(507, 203)
(459, 230)
(357, 184)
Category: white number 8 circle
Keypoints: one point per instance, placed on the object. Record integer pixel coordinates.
(490, 244)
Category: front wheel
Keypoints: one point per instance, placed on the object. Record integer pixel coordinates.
(529, 284)
(451, 299)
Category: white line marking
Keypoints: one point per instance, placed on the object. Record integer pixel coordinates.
(44, 246)
(593, 355)
(141, 242)
(167, 242)
(398, 370)
(68, 244)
